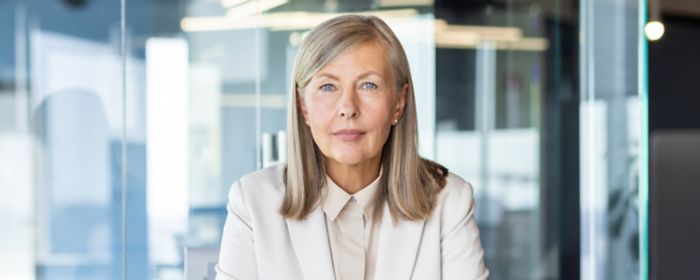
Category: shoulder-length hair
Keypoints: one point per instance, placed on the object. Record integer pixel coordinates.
(409, 184)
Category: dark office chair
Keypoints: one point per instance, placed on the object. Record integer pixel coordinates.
(674, 225)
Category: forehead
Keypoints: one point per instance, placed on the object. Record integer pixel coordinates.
(369, 56)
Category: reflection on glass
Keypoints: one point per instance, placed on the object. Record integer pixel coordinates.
(167, 151)
(60, 136)
(611, 134)
(489, 131)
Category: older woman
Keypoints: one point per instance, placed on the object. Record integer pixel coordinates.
(355, 200)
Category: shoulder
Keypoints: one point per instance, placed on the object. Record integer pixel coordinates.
(456, 199)
(270, 177)
(267, 182)
(456, 187)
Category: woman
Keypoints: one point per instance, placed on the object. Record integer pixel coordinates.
(354, 200)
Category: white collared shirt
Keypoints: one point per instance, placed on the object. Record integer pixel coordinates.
(334, 202)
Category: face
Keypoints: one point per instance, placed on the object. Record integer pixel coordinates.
(351, 104)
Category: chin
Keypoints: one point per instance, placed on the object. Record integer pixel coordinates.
(349, 158)
(348, 161)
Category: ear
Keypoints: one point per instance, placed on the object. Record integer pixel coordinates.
(401, 102)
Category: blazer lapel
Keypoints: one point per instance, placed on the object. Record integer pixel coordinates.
(310, 242)
(398, 247)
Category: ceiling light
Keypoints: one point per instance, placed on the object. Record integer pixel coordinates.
(654, 30)
(231, 3)
(253, 8)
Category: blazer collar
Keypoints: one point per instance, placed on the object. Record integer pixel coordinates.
(396, 254)
(310, 241)
(334, 198)
(398, 247)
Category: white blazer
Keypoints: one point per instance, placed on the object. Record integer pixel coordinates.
(258, 243)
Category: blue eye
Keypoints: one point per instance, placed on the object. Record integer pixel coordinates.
(369, 86)
(327, 87)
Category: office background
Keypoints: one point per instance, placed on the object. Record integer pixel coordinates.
(123, 123)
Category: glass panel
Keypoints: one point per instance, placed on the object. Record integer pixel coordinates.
(214, 107)
(492, 99)
(613, 133)
(61, 127)
(509, 121)
(182, 83)
(556, 172)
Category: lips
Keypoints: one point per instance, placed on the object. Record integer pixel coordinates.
(349, 134)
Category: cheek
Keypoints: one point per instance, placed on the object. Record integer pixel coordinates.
(318, 114)
(382, 119)
(383, 113)
(319, 117)
(314, 108)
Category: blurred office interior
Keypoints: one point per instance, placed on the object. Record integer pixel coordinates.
(123, 123)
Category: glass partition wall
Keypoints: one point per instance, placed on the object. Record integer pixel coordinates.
(62, 121)
(123, 124)
(613, 140)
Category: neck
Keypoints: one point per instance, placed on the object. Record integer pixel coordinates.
(355, 177)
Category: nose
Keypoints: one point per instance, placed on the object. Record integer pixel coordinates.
(348, 105)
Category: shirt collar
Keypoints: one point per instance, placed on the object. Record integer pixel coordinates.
(335, 198)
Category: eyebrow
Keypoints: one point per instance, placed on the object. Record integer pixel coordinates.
(331, 76)
(368, 73)
(364, 75)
